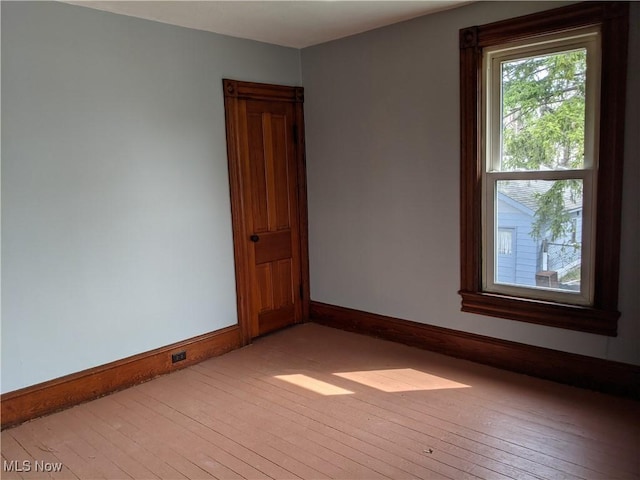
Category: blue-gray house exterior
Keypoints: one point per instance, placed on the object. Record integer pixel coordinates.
(519, 256)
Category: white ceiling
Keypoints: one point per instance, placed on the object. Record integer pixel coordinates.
(295, 24)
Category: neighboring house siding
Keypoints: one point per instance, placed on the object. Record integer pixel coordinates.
(562, 254)
(524, 260)
(512, 215)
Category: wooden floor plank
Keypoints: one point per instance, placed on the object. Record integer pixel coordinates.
(158, 456)
(13, 456)
(9, 470)
(69, 439)
(128, 449)
(125, 459)
(56, 438)
(158, 434)
(256, 435)
(245, 374)
(38, 450)
(477, 425)
(412, 462)
(222, 450)
(280, 424)
(426, 443)
(190, 435)
(313, 402)
(599, 459)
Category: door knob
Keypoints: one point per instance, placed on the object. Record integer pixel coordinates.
(254, 238)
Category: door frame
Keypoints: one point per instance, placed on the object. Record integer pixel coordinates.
(234, 91)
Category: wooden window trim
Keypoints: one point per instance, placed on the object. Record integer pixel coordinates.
(601, 318)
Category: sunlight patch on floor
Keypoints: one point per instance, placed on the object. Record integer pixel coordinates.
(317, 386)
(400, 380)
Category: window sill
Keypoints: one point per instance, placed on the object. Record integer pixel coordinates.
(572, 317)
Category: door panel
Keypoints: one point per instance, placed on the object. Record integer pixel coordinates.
(273, 246)
(263, 152)
(275, 319)
(283, 287)
(281, 175)
(265, 287)
(257, 173)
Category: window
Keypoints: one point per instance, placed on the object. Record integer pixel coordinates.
(542, 105)
(505, 241)
(540, 102)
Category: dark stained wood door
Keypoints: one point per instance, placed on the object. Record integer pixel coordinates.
(269, 224)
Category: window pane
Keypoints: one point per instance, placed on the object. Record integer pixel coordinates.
(538, 241)
(543, 112)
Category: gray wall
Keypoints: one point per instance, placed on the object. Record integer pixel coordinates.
(382, 124)
(115, 199)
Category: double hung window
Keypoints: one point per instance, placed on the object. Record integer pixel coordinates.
(541, 102)
(542, 123)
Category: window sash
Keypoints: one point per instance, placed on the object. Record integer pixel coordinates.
(490, 235)
(588, 39)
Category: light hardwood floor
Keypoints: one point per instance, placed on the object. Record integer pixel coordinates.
(314, 402)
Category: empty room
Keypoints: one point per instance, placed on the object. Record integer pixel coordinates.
(320, 239)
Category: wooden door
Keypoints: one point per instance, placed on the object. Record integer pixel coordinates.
(268, 196)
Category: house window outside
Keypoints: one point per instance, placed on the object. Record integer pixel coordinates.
(542, 127)
(505, 241)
